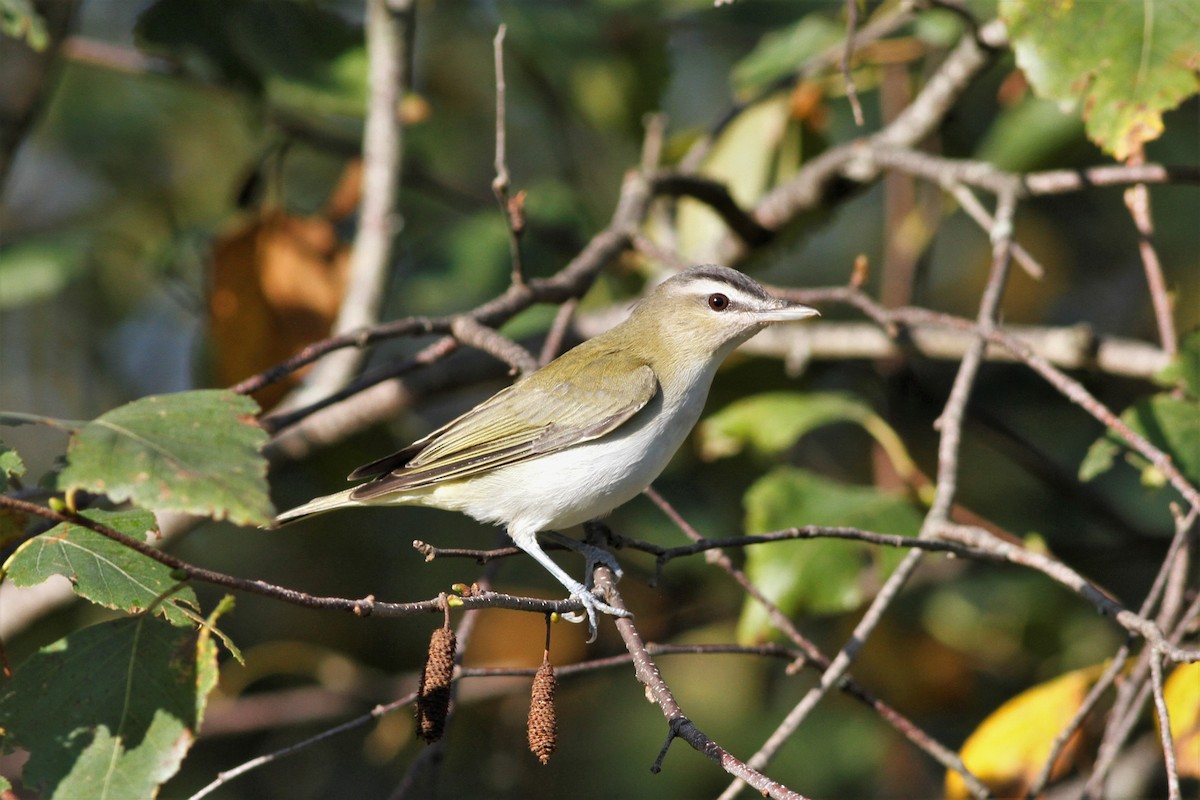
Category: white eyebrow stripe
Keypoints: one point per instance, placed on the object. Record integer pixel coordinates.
(707, 286)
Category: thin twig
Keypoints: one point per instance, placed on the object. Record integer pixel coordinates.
(552, 346)
(1117, 663)
(335, 423)
(680, 726)
(363, 607)
(1137, 200)
(847, 53)
(815, 658)
(491, 341)
(950, 424)
(1164, 727)
(975, 210)
(388, 31)
(513, 208)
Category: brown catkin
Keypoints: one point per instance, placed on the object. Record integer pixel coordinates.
(433, 695)
(543, 722)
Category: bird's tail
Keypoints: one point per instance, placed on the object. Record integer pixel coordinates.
(317, 506)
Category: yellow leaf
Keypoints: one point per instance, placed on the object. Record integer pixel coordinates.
(1182, 693)
(1009, 748)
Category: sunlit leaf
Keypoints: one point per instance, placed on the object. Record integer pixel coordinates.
(20, 20)
(744, 158)
(102, 570)
(1182, 694)
(1009, 748)
(1121, 63)
(194, 452)
(109, 712)
(819, 575)
(772, 422)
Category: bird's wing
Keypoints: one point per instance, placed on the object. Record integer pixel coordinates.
(550, 410)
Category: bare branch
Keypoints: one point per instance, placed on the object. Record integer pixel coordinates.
(513, 208)
(389, 30)
(1137, 200)
(680, 726)
(847, 52)
(815, 658)
(491, 341)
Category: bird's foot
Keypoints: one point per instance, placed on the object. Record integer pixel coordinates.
(591, 604)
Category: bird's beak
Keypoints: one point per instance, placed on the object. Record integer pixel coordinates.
(786, 312)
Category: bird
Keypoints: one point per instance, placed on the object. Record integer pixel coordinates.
(582, 435)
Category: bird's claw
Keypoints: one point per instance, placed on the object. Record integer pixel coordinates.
(592, 604)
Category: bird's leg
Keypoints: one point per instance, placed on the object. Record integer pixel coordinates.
(594, 554)
(591, 603)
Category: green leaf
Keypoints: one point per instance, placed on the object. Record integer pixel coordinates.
(306, 56)
(39, 268)
(1029, 135)
(20, 20)
(772, 422)
(12, 522)
(110, 711)
(1170, 423)
(819, 575)
(746, 157)
(194, 452)
(1184, 370)
(1123, 63)
(781, 52)
(11, 465)
(102, 570)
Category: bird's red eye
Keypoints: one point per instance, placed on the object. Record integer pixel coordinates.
(718, 302)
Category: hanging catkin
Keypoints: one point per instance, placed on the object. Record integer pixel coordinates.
(543, 722)
(433, 696)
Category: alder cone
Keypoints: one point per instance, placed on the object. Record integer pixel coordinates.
(543, 720)
(433, 696)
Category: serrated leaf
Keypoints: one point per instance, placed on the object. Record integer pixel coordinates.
(193, 452)
(104, 571)
(1181, 691)
(1008, 748)
(109, 712)
(819, 575)
(1184, 370)
(1121, 63)
(774, 421)
(1170, 423)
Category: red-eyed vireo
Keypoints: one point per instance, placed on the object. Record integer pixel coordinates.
(585, 433)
